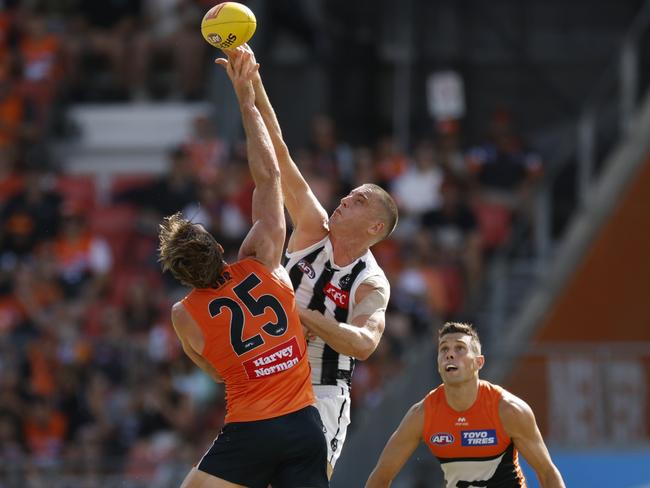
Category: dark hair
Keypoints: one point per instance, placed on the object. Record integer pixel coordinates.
(461, 328)
(390, 214)
(189, 252)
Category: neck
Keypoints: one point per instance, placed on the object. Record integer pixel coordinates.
(347, 248)
(462, 396)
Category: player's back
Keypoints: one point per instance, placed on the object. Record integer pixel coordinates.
(253, 338)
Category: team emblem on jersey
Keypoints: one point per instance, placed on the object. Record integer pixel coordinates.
(442, 439)
(306, 268)
(345, 280)
(334, 444)
(486, 437)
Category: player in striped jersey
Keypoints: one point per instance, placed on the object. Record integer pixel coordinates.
(338, 283)
(473, 427)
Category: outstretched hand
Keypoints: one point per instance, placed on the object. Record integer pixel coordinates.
(241, 68)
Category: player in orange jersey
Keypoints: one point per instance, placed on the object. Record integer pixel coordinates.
(473, 427)
(240, 324)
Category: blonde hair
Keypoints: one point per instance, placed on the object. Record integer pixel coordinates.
(189, 253)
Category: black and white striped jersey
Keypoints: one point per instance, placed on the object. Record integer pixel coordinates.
(321, 285)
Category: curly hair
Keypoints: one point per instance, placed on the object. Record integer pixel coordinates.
(461, 328)
(189, 252)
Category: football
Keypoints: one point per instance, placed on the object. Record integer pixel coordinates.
(228, 25)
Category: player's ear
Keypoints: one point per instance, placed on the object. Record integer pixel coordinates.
(480, 362)
(377, 228)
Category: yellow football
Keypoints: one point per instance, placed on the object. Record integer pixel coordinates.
(228, 25)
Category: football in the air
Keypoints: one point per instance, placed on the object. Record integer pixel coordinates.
(228, 25)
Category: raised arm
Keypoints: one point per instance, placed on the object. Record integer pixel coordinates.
(399, 448)
(308, 216)
(265, 240)
(519, 422)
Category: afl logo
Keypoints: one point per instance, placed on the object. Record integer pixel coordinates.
(442, 439)
(214, 38)
(306, 268)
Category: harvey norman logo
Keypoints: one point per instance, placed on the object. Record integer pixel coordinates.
(486, 437)
(274, 361)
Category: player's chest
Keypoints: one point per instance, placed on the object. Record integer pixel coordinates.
(465, 435)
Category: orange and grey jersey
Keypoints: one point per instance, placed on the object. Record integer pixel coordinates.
(472, 446)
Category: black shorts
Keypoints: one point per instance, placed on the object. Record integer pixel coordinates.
(287, 452)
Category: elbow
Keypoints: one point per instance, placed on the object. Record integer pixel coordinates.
(364, 350)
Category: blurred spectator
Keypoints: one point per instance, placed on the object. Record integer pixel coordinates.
(29, 217)
(168, 194)
(503, 167)
(448, 149)
(390, 161)
(42, 66)
(417, 190)
(206, 150)
(13, 109)
(455, 234)
(330, 157)
(11, 181)
(83, 258)
(505, 172)
(169, 31)
(45, 430)
(106, 30)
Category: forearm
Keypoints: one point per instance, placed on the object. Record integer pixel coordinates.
(293, 183)
(377, 481)
(201, 362)
(261, 161)
(344, 338)
(551, 479)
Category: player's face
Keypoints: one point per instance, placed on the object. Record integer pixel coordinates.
(358, 208)
(457, 361)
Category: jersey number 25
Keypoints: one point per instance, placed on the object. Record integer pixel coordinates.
(256, 307)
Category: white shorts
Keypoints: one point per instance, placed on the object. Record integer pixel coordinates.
(333, 403)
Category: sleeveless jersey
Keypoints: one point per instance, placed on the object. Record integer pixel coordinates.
(472, 446)
(321, 285)
(253, 338)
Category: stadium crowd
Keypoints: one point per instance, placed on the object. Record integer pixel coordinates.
(93, 382)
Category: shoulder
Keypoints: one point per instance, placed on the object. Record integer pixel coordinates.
(186, 327)
(180, 315)
(414, 418)
(515, 414)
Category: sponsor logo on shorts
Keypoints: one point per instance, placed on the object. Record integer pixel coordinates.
(442, 439)
(274, 361)
(338, 296)
(305, 267)
(214, 38)
(486, 437)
